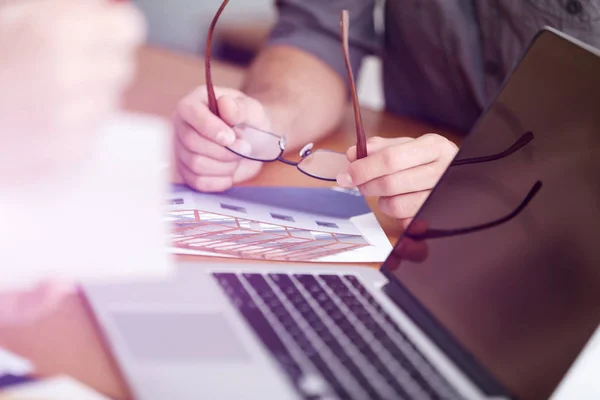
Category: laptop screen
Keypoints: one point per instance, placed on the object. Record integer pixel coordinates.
(505, 253)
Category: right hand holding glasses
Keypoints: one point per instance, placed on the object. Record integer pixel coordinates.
(202, 159)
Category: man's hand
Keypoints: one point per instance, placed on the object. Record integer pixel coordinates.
(64, 66)
(401, 171)
(201, 137)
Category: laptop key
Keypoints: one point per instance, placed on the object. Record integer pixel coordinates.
(262, 287)
(287, 286)
(323, 298)
(374, 303)
(256, 319)
(437, 387)
(363, 315)
(363, 291)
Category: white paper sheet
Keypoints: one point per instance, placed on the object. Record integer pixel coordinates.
(12, 364)
(59, 388)
(101, 221)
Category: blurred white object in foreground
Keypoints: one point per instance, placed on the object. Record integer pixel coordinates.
(101, 220)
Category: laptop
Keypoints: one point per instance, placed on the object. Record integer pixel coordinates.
(492, 292)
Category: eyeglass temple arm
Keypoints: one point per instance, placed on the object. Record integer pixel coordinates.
(521, 142)
(361, 140)
(441, 233)
(212, 98)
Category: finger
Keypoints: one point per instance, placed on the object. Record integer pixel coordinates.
(416, 179)
(198, 144)
(242, 110)
(203, 165)
(399, 157)
(204, 183)
(405, 223)
(403, 206)
(375, 144)
(204, 122)
(247, 169)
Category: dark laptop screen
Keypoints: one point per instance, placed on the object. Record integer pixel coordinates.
(505, 253)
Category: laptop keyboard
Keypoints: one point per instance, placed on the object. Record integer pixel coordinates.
(332, 337)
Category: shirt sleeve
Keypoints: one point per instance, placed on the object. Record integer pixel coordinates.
(314, 26)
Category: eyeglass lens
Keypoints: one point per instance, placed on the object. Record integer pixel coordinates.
(255, 143)
(260, 145)
(324, 164)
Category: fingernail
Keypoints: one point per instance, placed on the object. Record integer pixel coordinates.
(344, 179)
(225, 138)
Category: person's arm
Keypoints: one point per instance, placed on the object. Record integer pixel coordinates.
(304, 98)
(300, 76)
(296, 87)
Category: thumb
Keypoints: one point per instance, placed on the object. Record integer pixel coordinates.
(231, 111)
(242, 110)
(375, 144)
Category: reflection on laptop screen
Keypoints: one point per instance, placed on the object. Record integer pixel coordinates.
(505, 254)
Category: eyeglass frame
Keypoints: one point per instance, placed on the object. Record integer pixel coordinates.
(306, 151)
(443, 233)
(361, 141)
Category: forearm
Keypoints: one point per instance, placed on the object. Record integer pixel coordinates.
(304, 98)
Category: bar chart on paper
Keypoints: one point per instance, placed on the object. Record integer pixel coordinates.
(276, 223)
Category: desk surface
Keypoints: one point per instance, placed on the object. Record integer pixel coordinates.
(66, 341)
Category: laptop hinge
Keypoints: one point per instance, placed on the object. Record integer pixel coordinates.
(443, 339)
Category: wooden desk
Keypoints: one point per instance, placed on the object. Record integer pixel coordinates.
(66, 341)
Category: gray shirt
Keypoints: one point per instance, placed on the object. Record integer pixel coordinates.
(443, 60)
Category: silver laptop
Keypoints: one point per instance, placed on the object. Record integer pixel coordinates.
(492, 292)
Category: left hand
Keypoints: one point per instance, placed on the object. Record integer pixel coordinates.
(400, 171)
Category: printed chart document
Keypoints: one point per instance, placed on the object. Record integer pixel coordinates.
(276, 223)
(100, 221)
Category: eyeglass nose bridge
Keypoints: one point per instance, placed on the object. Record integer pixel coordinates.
(303, 153)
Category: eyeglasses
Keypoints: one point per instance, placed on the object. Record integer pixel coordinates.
(259, 145)
(442, 233)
